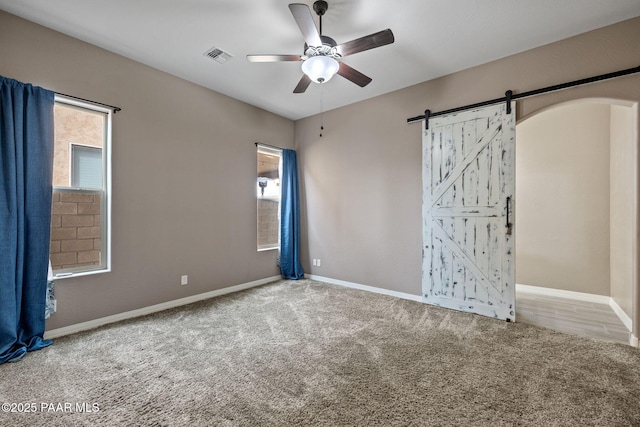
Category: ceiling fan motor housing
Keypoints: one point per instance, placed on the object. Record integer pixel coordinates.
(327, 48)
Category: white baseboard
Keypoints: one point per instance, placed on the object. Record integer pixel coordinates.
(624, 317)
(373, 289)
(79, 327)
(579, 296)
(91, 324)
(561, 293)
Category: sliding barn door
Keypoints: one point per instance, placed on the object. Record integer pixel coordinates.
(468, 206)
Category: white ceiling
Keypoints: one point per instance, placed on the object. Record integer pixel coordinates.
(433, 38)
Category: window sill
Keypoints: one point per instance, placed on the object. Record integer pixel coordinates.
(79, 274)
(267, 249)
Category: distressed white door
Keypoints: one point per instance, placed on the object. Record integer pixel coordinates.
(468, 173)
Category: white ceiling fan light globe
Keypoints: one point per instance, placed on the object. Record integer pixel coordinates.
(320, 68)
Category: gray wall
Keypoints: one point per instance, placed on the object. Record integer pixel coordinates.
(623, 171)
(361, 180)
(184, 165)
(562, 191)
(184, 168)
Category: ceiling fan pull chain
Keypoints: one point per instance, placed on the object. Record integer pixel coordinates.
(321, 110)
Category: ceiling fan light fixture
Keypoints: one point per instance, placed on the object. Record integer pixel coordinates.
(320, 68)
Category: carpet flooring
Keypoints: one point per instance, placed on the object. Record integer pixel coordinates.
(304, 353)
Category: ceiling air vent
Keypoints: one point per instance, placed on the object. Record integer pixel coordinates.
(218, 55)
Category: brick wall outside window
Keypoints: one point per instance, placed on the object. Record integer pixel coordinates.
(268, 224)
(75, 229)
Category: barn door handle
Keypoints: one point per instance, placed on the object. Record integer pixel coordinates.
(509, 225)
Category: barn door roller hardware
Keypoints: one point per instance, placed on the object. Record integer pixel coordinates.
(509, 96)
(427, 114)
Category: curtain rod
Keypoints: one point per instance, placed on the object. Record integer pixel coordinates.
(510, 96)
(270, 146)
(114, 108)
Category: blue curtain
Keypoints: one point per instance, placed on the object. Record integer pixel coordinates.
(290, 218)
(26, 168)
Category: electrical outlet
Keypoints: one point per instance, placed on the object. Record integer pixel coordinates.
(315, 261)
(318, 263)
(184, 280)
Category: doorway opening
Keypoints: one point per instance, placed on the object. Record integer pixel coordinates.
(576, 169)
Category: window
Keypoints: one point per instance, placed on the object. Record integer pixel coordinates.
(80, 215)
(268, 196)
(86, 166)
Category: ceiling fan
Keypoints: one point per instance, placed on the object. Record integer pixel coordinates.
(322, 57)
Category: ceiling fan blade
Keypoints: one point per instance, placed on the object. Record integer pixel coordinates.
(303, 84)
(304, 19)
(273, 58)
(354, 75)
(381, 38)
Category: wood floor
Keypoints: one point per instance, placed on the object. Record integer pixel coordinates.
(571, 316)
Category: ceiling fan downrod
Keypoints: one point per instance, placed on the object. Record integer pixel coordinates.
(320, 7)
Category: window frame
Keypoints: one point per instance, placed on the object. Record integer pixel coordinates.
(268, 150)
(105, 206)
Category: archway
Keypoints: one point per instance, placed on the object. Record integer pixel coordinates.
(575, 192)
